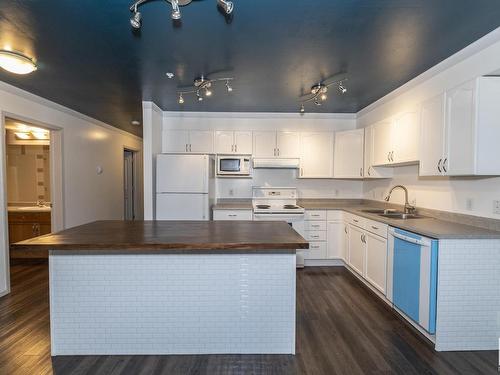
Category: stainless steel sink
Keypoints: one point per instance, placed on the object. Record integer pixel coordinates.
(401, 215)
(380, 211)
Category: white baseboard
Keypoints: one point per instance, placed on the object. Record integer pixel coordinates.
(324, 262)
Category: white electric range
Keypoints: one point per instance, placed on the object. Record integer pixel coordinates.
(279, 203)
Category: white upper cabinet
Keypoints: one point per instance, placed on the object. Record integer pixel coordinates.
(369, 170)
(201, 141)
(460, 131)
(316, 155)
(348, 154)
(405, 138)
(233, 142)
(243, 142)
(287, 144)
(395, 141)
(264, 144)
(186, 141)
(432, 136)
(276, 144)
(175, 141)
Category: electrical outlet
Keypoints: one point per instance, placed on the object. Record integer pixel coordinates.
(231, 192)
(496, 207)
(336, 192)
(469, 204)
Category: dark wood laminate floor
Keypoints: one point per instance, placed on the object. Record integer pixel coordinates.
(341, 329)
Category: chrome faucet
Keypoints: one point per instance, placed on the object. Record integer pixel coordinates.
(408, 207)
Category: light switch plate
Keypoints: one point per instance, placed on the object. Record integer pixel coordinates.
(496, 207)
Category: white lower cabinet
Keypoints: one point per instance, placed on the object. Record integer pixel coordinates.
(357, 249)
(335, 240)
(376, 261)
(317, 250)
(316, 233)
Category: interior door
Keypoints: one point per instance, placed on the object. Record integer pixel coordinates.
(287, 144)
(175, 140)
(264, 144)
(201, 141)
(348, 155)
(432, 129)
(128, 184)
(182, 173)
(316, 155)
(243, 142)
(224, 142)
(460, 130)
(382, 143)
(376, 261)
(357, 249)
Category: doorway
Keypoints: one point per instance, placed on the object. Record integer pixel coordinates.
(129, 180)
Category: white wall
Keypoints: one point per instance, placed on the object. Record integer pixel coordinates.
(442, 193)
(86, 144)
(242, 188)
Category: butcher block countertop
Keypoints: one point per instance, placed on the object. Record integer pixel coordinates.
(217, 236)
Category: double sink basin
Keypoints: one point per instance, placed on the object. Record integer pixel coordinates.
(392, 214)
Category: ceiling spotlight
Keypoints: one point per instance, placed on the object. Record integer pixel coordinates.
(200, 98)
(170, 75)
(181, 99)
(176, 12)
(302, 109)
(229, 87)
(208, 92)
(16, 63)
(226, 5)
(342, 88)
(135, 123)
(323, 97)
(135, 20)
(202, 87)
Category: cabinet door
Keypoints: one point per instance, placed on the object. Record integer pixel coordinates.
(460, 130)
(432, 136)
(224, 142)
(357, 249)
(201, 141)
(382, 143)
(243, 142)
(335, 239)
(348, 154)
(405, 137)
(316, 155)
(345, 241)
(175, 140)
(287, 144)
(376, 260)
(264, 144)
(369, 171)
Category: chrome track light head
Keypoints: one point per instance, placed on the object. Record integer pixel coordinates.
(136, 20)
(226, 5)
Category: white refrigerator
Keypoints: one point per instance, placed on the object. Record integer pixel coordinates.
(185, 187)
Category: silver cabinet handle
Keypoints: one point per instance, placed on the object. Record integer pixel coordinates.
(186, 147)
(374, 227)
(232, 215)
(301, 172)
(314, 236)
(274, 152)
(444, 164)
(368, 170)
(232, 148)
(361, 237)
(345, 229)
(389, 156)
(392, 155)
(439, 165)
(235, 148)
(361, 172)
(278, 152)
(190, 147)
(356, 221)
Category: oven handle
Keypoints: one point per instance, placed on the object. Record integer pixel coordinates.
(408, 239)
(284, 216)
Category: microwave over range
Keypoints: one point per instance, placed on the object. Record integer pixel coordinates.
(233, 165)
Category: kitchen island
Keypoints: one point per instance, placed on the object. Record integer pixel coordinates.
(165, 287)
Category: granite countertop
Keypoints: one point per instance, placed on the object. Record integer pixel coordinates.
(426, 226)
(205, 236)
(233, 204)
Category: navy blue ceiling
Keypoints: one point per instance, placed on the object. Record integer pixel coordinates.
(92, 62)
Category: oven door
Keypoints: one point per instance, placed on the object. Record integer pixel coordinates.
(295, 221)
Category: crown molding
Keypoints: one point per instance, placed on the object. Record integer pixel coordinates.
(257, 115)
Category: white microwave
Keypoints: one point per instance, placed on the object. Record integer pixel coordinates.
(233, 165)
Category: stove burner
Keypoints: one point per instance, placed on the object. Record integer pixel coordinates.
(290, 207)
(263, 206)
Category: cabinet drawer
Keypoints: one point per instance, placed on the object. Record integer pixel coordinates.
(376, 228)
(356, 220)
(334, 215)
(317, 250)
(315, 235)
(315, 215)
(233, 215)
(315, 225)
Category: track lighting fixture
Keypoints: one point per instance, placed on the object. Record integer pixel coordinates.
(226, 5)
(135, 21)
(204, 85)
(319, 91)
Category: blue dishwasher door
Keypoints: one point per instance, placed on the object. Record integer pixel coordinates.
(413, 288)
